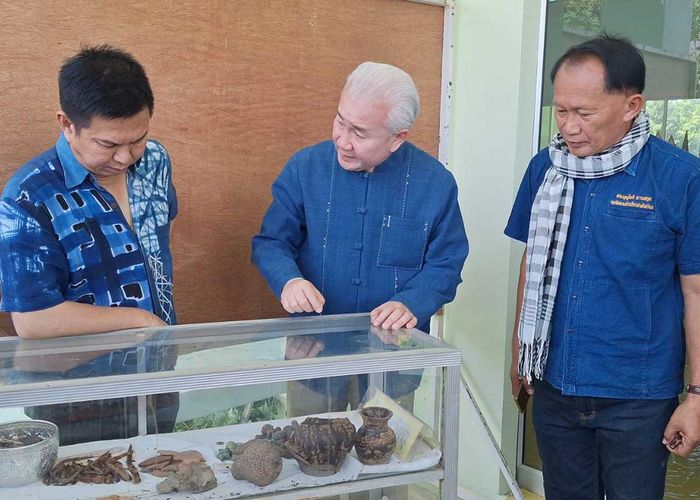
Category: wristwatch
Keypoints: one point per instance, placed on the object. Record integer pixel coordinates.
(692, 389)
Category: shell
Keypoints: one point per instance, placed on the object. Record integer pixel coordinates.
(320, 445)
(257, 461)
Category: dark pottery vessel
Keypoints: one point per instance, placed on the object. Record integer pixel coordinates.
(375, 441)
(320, 445)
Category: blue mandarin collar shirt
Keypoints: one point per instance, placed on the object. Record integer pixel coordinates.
(365, 238)
(617, 327)
(63, 237)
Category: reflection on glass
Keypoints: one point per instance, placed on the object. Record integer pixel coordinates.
(159, 351)
(331, 394)
(207, 408)
(103, 419)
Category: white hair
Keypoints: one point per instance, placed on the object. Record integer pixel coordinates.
(384, 83)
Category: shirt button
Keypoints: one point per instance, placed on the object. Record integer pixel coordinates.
(574, 297)
(361, 210)
(587, 229)
(365, 174)
(358, 246)
(356, 281)
(592, 195)
(570, 331)
(580, 263)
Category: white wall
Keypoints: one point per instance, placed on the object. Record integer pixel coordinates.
(495, 61)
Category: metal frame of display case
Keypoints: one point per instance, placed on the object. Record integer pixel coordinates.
(438, 355)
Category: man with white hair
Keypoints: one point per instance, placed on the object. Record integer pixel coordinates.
(366, 222)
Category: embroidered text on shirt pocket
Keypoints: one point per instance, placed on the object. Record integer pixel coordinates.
(402, 243)
(630, 213)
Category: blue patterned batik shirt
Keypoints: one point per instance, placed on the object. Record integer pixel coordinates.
(64, 238)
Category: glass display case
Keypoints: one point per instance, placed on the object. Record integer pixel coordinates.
(286, 408)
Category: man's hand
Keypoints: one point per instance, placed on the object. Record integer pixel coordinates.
(302, 347)
(300, 295)
(682, 433)
(393, 315)
(516, 381)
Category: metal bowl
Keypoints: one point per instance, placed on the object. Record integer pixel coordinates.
(26, 464)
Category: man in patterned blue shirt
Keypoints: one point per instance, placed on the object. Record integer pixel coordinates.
(84, 232)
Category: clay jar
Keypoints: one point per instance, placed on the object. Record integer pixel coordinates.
(375, 441)
(320, 445)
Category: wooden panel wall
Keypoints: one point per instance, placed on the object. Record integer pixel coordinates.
(239, 86)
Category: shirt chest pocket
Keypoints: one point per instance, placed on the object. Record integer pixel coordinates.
(402, 243)
(631, 213)
(625, 245)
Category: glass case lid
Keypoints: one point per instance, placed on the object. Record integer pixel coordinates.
(151, 360)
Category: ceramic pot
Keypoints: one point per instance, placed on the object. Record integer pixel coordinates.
(375, 441)
(320, 445)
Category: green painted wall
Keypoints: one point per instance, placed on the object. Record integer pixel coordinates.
(495, 61)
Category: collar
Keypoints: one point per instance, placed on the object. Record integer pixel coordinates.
(398, 157)
(631, 168)
(73, 171)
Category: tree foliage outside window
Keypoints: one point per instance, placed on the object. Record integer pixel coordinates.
(583, 14)
(260, 411)
(695, 43)
(682, 119)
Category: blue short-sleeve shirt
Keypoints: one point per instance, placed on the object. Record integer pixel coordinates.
(64, 238)
(617, 327)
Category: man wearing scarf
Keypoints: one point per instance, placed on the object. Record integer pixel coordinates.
(609, 289)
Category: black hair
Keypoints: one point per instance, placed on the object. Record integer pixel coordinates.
(103, 81)
(623, 63)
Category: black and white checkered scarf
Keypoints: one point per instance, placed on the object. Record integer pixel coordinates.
(549, 224)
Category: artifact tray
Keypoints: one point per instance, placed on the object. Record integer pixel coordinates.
(205, 441)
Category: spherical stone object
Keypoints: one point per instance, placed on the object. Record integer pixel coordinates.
(257, 461)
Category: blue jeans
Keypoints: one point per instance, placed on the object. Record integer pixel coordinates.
(591, 447)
